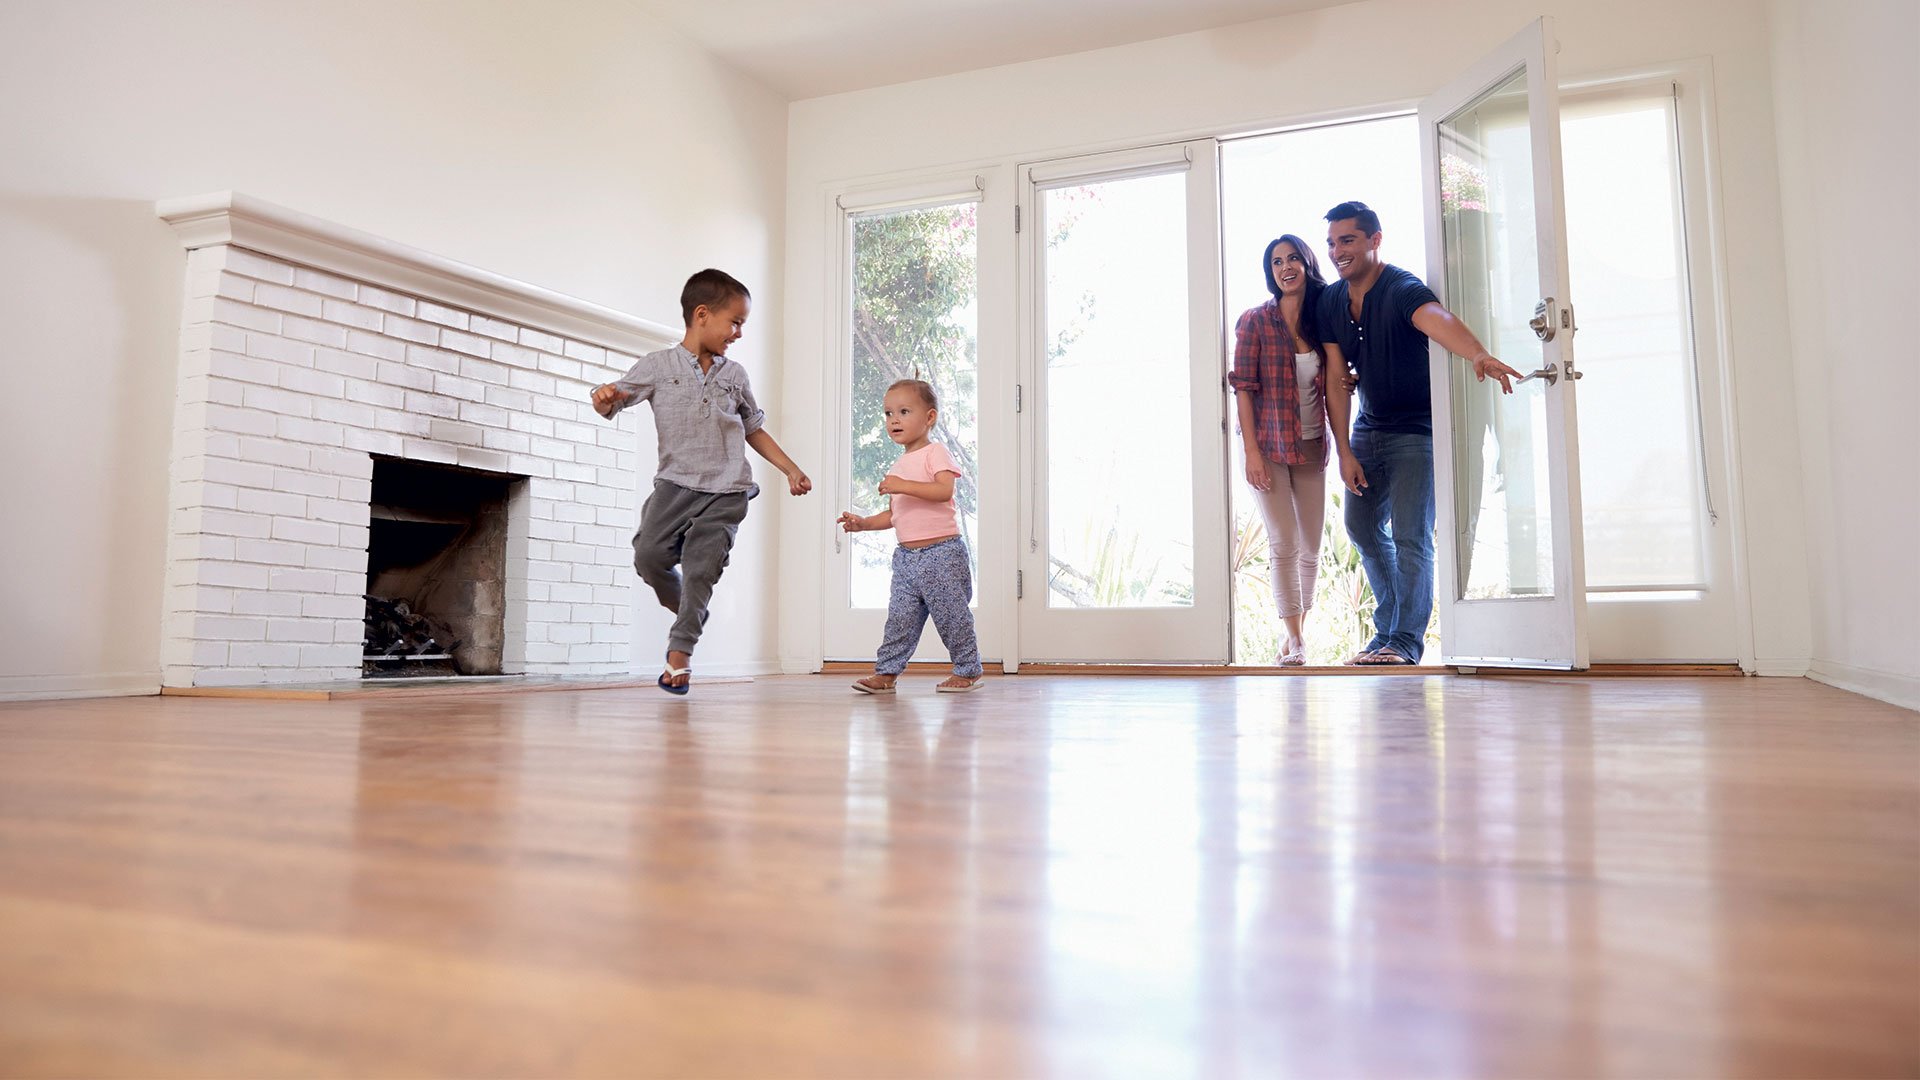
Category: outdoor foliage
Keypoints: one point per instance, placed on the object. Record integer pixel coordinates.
(1463, 185)
(914, 276)
(1341, 620)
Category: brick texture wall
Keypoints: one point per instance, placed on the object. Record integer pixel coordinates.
(290, 380)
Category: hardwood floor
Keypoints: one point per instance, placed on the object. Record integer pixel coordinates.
(1053, 876)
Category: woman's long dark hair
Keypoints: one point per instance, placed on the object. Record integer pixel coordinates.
(1310, 299)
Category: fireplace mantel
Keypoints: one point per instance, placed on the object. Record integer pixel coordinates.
(230, 217)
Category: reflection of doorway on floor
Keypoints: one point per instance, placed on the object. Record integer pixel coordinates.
(1284, 183)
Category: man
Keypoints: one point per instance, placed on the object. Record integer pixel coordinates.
(1376, 320)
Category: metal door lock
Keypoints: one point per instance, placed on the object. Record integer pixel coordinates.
(1546, 319)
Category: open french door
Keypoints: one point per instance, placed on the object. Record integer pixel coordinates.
(1511, 568)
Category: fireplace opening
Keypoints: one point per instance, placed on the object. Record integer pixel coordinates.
(436, 571)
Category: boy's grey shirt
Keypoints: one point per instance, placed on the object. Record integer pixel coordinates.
(702, 420)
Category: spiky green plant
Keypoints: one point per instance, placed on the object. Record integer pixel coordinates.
(1341, 620)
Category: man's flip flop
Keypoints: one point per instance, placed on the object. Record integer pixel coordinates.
(674, 673)
(864, 688)
(1383, 658)
(972, 685)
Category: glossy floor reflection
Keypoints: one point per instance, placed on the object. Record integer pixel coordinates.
(1055, 876)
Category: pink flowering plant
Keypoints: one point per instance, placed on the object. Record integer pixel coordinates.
(1463, 185)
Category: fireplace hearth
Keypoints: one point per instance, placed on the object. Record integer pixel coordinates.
(436, 569)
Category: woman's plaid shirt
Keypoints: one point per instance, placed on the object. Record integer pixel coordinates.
(1263, 366)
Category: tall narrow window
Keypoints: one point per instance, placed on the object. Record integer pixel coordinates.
(1119, 445)
(915, 315)
(1640, 449)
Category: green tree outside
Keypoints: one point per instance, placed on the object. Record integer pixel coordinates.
(914, 291)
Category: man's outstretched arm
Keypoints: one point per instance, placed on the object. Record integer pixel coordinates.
(1440, 325)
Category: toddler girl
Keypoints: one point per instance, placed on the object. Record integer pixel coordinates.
(930, 571)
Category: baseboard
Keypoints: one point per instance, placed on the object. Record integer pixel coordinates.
(747, 669)
(436, 689)
(47, 687)
(804, 665)
(1793, 668)
(1890, 687)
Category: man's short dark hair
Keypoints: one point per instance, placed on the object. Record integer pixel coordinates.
(709, 288)
(1361, 214)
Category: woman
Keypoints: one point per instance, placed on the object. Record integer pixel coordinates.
(1280, 388)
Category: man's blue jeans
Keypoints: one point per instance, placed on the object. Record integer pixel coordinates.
(1392, 526)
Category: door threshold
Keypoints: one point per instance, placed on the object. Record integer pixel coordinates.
(856, 667)
(1230, 669)
(922, 667)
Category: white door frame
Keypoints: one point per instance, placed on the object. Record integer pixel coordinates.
(1727, 609)
(855, 633)
(1704, 215)
(1197, 634)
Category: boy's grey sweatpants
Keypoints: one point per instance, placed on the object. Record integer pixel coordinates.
(695, 530)
(934, 580)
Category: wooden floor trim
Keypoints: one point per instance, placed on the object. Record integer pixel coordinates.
(399, 689)
(853, 667)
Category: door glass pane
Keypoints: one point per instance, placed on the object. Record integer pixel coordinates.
(1502, 512)
(1119, 446)
(915, 315)
(1640, 466)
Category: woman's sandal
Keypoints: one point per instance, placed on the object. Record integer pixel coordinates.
(869, 686)
(968, 687)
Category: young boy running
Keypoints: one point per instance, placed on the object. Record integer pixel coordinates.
(705, 417)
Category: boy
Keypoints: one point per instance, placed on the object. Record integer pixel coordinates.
(705, 417)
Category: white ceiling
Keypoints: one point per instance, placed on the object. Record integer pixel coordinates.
(806, 48)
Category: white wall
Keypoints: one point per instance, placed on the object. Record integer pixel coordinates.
(580, 146)
(1848, 79)
(1298, 67)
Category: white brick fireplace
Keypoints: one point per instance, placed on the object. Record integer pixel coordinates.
(306, 350)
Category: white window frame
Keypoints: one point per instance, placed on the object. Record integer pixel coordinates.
(847, 633)
(1715, 390)
(1202, 632)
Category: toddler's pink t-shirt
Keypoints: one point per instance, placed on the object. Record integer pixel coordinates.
(915, 518)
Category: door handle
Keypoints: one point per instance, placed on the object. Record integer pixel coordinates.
(1550, 373)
